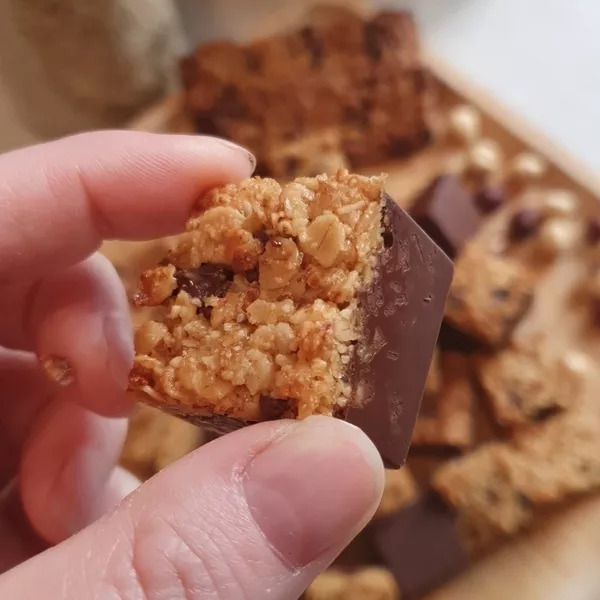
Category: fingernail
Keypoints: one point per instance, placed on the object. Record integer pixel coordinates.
(231, 145)
(312, 491)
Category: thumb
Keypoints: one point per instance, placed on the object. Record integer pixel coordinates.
(256, 514)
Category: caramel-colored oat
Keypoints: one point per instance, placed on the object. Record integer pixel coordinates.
(259, 298)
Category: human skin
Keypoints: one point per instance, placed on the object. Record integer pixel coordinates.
(255, 514)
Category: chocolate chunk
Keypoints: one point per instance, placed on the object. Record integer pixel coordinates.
(524, 224)
(447, 213)
(314, 46)
(490, 198)
(400, 330)
(253, 60)
(454, 340)
(273, 408)
(593, 231)
(206, 280)
(420, 545)
(251, 275)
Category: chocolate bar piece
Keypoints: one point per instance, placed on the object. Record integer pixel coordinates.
(321, 297)
(421, 545)
(359, 83)
(448, 214)
(402, 325)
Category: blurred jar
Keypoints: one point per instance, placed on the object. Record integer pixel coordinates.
(69, 65)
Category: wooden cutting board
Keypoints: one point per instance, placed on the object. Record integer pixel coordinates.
(560, 559)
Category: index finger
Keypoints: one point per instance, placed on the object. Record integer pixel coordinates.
(59, 200)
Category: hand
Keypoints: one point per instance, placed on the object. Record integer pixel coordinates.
(256, 514)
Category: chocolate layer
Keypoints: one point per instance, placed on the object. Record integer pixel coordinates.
(448, 213)
(420, 545)
(402, 313)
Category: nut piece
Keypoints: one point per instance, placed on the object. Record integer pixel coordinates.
(400, 489)
(324, 239)
(560, 203)
(464, 124)
(577, 363)
(557, 236)
(372, 583)
(528, 167)
(330, 585)
(485, 158)
(58, 370)
(490, 198)
(278, 264)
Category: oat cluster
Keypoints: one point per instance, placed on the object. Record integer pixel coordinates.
(497, 487)
(259, 298)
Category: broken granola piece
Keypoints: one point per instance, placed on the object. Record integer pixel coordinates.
(497, 488)
(489, 296)
(446, 418)
(367, 583)
(400, 489)
(155, 440)
(523, 385)
(284, 302)
(361, 80)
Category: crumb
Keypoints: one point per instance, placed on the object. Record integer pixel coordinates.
(58, 370)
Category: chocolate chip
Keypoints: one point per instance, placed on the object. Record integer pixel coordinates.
(515, 399)
(524, 224)
(492, 496)
(253, 61)
(230, 104)
(595, 310)
(501, 294)
(593, 231)
(314, 46)
(490, 198)
(206, 311)
(206, 280)
(353, 114)
(374, 41)
(262, 236)
(544, 413)
(388, 239)
(273, 408)
(251, 275)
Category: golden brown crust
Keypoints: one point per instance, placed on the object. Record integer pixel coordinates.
(524, 386)
(489, 295)
(364, 76)
(259, 300)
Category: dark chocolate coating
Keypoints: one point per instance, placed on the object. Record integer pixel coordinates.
(448, 214)
(402, 312)
(420, 545)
